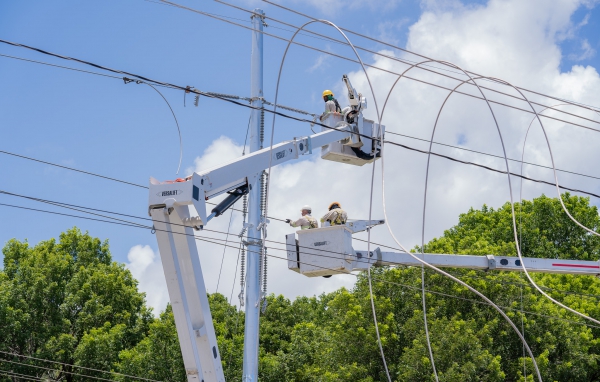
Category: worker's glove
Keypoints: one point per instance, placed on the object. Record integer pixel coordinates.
(288, 220)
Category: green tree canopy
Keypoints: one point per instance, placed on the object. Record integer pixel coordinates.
(67, 301)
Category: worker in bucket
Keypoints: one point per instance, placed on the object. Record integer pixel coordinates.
(335, 216)
(331, 104)
(306, 221)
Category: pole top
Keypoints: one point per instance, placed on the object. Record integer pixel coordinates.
(259, 11)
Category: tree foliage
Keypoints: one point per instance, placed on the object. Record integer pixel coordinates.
(68, 302)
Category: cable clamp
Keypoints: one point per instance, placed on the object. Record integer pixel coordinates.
(263, 224)
(128, 80)
(258, 243)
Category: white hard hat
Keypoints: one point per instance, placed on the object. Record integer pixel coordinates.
(306, 208)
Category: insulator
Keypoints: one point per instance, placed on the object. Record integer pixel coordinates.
(262, 127)
(264, 281)
(244, 207)
(264, 278)
(242, 275)
(260, 270)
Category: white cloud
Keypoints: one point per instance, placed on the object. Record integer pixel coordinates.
(586, 52)
(320, 62)
(146, 267)
(510, 39)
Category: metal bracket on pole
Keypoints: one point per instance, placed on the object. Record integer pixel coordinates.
(491, 262)
(377, 252)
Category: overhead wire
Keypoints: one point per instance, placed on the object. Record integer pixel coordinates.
(492, 155)
(300, 247)
(214, 95)
(557, 185)
(77, 366)
(393, 58)
(61, 371)
(294, 110)
(210, 240)
(376, 67)
(19, 375)
(513, 208)
(422, 261)
(372, 179)
(60, 66)
(593, 108)
(176, 123)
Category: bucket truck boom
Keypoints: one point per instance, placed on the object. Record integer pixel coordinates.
(178, 210)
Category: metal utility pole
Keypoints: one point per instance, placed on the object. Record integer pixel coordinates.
(254, 244)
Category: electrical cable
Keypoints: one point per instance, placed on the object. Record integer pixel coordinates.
(336, 271)
(223, 98)
(494, 156)
(18, 375)
(301, 247)
(60, 66)
(512, 199)
(376, 67)
(224, 249)
(80, 367)
(593, 108)
(72, 169)
(393, 58)
(142, 77)
(62, 371)
(373, 175)
(424, 206)
(176, 122)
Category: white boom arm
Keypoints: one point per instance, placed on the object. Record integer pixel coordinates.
(177, 209)
(328, 251)
(488, 262)
(187, 293)
(210, 183)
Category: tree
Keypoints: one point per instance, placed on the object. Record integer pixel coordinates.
(67, 301)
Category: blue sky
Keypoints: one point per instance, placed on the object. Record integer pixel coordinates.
(101, 125)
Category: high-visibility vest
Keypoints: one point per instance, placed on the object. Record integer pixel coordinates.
(312, 222)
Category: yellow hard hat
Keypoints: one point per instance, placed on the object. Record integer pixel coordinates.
(327, 93)
(334, 204)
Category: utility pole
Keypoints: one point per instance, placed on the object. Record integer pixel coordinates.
(254, 245)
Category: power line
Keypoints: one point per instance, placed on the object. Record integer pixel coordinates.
(80, 367)
(210, 240)
(60, 66)
(593, 108)
(62, 371)
(396, 73)
(60, 204)
(493, 169)
(206, 94)
(72, 169)
(492, 155)
(18, 375)
(424, 66)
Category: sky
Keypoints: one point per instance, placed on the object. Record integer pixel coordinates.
(126, 131)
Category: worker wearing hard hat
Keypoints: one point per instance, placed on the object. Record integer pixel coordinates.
(331, 104)
(306, 221)
(335, 216)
